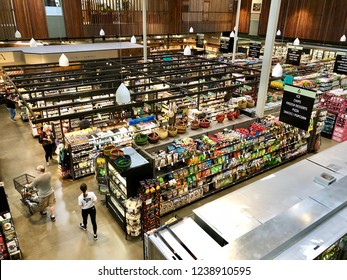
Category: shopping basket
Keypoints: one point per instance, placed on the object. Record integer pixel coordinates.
(29, 196)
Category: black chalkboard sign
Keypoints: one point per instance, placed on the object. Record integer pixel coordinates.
(254, 49)
(294, 55)
(340, 65)
(200, 40)
(226, 44)
(297, 106)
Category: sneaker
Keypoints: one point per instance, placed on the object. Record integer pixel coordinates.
(43, 213)
(52, 218)
(47, 163)
(13, 120)
(95, 237)
(83, 227)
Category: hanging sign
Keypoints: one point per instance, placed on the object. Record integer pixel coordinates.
(200, 40)
(254, 49)
(294, 55)
(340, 66)
(297, 106)
(226, 44)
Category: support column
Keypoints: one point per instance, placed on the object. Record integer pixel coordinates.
(144, 29)
(236, 30)
(267, 59)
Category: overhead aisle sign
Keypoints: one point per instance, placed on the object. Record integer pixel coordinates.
(297, 105)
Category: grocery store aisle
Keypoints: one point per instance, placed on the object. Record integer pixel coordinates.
(41, 239)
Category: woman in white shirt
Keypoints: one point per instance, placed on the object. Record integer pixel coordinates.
(87, 202)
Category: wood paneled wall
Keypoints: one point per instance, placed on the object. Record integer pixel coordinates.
(319, 20)
(31, 18)
(245, 16)
(7, 22)
(73, 18)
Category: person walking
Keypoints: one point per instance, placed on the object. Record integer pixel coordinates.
(87, 201)
(48, 142)
(45, 191)
(10, 103)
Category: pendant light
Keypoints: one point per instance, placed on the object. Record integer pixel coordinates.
(133, 39)
(187, 51)
(232, 34)
(17, 34)
(296, 42)
(122, 94)
(343, 38)
(102, 32)
(277, 71)
(278, 33)
(191, 29)
(63, 60)
(33, 43)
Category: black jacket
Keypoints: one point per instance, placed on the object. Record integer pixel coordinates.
(9, 103)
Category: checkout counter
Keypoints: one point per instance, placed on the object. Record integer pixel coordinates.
(286, 215)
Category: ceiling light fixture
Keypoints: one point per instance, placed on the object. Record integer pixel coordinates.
(133, 39)
(278, 33)
(187, 51)
(296, 42)
(122, 94)
(17, 34)
(277, 71)
(63, 61)
(343, 38)
(102, 32)
(232, 34)
(191, 29)
(32, 43)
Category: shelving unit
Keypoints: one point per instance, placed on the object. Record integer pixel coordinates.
(123, 184)
(9, 243)
(197, 166)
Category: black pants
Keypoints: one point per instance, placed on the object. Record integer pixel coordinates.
(48, 151)
(92, 212)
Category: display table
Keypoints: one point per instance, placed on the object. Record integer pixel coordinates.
(286, 215)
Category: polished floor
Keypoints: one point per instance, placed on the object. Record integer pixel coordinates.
(39, 238)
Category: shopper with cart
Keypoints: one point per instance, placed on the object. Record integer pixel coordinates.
(87, 202)
(45, 191)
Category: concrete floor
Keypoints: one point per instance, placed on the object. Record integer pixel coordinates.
(39, 238)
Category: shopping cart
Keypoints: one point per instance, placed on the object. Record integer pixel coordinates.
(29, 196)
